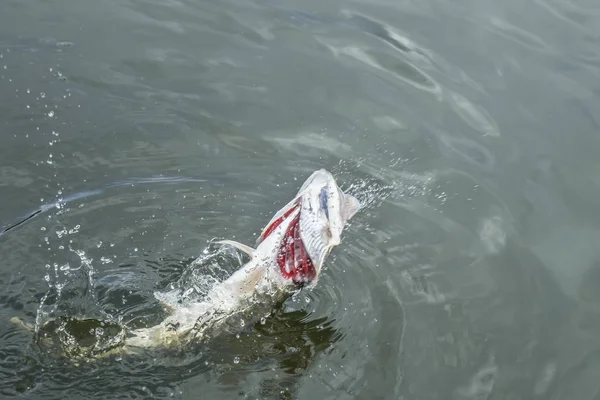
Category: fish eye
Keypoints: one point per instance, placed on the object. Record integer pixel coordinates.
(324, 201)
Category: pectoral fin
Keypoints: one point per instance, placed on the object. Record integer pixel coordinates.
(240, 246)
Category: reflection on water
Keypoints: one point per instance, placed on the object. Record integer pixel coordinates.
(288, 340)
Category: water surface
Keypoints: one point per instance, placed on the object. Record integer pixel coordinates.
(135, 132)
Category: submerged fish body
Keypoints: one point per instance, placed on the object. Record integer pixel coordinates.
(290, 254)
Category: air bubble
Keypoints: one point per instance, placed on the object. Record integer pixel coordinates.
(236, 360)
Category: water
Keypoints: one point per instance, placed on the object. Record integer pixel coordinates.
(134, 133)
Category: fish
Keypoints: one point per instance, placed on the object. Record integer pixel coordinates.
(289, 255)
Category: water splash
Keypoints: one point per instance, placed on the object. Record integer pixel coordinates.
(384, 184)
(211, 267)
(86, 263)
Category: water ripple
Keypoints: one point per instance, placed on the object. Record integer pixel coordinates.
(403, 59)
(572, 13)
(518, 35)
(467, 150)
(387, 34)
(396, 67)
(475, 116)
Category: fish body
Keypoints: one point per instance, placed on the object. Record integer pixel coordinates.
(290, 254)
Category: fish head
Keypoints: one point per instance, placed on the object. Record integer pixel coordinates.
(306, 230)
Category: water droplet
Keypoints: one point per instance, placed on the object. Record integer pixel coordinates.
(236, 360)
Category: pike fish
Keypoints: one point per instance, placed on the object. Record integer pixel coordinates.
(289, 254)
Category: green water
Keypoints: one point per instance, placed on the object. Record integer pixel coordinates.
(138, 131)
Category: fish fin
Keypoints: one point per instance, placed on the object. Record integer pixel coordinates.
(22, 324)
(240, 246)
(351, 205)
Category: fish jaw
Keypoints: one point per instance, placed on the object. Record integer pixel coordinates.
(305, 230)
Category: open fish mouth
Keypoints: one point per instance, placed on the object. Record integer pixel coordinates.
(292, 257)
(306, 229)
